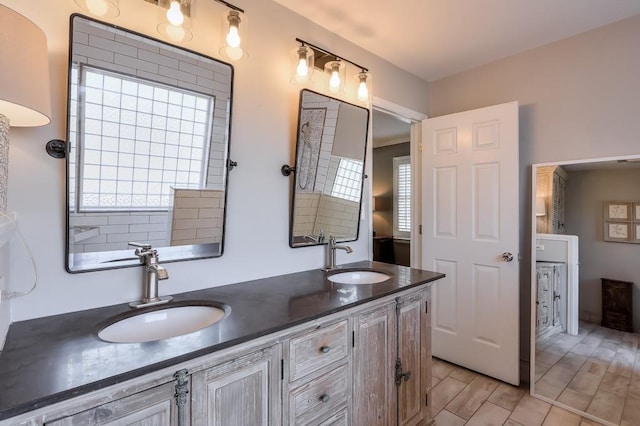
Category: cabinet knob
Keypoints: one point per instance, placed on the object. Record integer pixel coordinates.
(325, 349)
(324, 397)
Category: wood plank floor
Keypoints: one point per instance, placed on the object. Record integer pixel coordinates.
(464, 397)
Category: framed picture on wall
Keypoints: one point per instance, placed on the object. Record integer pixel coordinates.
(618, 211)
(618, 231)
(636, 212)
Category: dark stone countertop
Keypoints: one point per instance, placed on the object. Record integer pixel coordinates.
(51, 359)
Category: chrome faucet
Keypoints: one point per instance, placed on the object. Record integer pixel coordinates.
(330, 254)
(151, 274)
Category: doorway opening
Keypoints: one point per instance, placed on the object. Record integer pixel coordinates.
(391, 189)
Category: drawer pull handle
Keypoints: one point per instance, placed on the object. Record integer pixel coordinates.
(325, 349)
(324, 397)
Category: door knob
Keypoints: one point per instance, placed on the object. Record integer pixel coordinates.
(507, 257)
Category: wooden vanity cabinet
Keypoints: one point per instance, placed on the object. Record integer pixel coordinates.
(368, 365)
(243, 391)
(392, 363)
(318, 375)
(151, 407)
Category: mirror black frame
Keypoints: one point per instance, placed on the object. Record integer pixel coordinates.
(296, 169)
(227, 163)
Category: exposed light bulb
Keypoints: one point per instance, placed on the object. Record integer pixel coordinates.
(174, 14)
(233, 37)
(334, 81)
(303, 67)
(363, 90)
(97, 7)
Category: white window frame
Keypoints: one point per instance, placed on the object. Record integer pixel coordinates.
(400, 231)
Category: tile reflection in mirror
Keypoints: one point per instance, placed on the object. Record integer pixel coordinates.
(148, 134)
(330, 152)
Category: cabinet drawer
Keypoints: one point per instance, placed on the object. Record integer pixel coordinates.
(316, 349)
(319, 398)
(338, 419)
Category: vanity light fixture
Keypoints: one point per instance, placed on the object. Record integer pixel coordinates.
(100, 8)
(334, 66)
(175, 19)
(363, 89)
(234, 25)
(24, 92)
(302, 60)
(336, 70)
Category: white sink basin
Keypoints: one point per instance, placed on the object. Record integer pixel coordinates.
(161, 324)
(358, 277)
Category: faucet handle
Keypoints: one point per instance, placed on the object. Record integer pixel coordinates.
(144, 246)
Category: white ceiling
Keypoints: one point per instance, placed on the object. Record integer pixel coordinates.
(434, 39)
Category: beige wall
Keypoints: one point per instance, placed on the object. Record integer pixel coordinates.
(263, 134)
(579, 98)
(586, 192)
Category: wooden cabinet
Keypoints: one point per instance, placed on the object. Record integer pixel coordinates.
(551, 183)
(318, 375)
(368, 365)
(243, 391)
(152, 407)
(392, 363)
(374, 358)
(413, 378)
(549, 297)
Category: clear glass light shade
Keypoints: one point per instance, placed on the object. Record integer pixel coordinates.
(234, 25)
(175, 23)
(362, 82)
(100, 8)
(302, 65)
(336, 71)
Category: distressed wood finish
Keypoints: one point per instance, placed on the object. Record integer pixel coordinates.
(244, 391)
(373, 367)
(246, 384)
(319, 398)
(413, 345)
(340, 418)
(318, 348)
(153, 407)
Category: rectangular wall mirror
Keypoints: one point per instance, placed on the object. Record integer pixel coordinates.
(585, 292)
(329, 170)
(148, 134)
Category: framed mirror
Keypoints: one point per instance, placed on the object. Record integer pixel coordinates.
(148, 146)
(585, 292)
(329, 170)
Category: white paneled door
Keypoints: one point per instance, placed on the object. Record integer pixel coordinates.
(470, 221)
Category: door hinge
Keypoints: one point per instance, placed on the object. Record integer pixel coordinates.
(426, 307)
(420, 229)
(281, 368)
(353, 339)
(401, 374)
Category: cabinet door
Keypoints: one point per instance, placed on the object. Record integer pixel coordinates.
(152, 407)
(414, 355)
(244, 391)
(374, 393)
